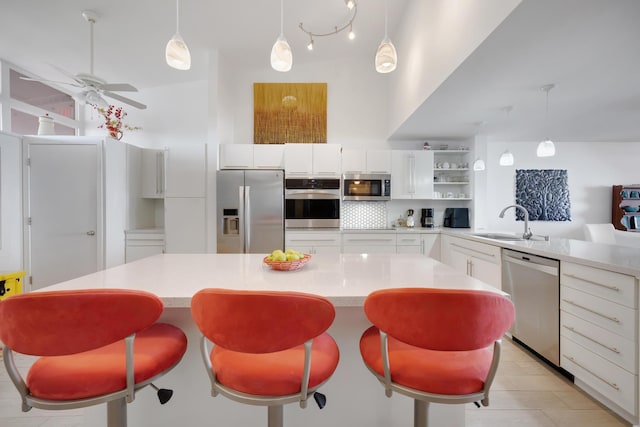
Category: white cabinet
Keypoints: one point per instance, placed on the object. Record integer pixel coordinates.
(312, 159)
(235, 156)
(362, 243)
(185, 170)
(599, 334)
(451, 174)
(153, 173)
(412, 174)
(479, 260)
(431, 245)
(408, 243)
(251, 156)
(313, 242)
(366, 161)
(143, 243)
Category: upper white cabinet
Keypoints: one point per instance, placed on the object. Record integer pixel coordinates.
(185, 170)
(312, 159)
(251, 156)
(412, 174)
(153, 178)
(366, 161)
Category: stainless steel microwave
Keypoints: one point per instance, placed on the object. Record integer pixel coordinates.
(366, 187)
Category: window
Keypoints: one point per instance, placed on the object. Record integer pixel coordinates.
(22, 102)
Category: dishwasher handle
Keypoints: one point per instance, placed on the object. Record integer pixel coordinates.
(553, 271)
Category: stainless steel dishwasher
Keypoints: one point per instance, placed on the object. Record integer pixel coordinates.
(534, 285)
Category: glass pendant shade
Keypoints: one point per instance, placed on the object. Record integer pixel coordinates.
(546, 148)
(478, 165)
(177, 53)
(281, 56)
(506, 158)
(386, 57)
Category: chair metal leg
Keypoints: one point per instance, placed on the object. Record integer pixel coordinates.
(117, 413)
(275, 416)
(420, 413)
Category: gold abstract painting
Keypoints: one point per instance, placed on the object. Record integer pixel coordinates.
(289, 113)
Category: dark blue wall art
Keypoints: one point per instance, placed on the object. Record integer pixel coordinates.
(544, 193)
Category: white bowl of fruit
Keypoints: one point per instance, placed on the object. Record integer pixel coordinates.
(286, 260)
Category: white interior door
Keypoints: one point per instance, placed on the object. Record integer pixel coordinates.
(63, 211)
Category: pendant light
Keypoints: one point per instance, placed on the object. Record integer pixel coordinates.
(478, 164)
(386, 56)
(546, 148)
(177, 53)
(281, 56)
(506, 158)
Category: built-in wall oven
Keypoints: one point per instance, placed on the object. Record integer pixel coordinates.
(312, 202)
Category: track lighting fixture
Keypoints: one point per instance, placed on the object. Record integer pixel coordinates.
(353, 7)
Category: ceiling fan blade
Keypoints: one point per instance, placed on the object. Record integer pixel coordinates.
(125, 100)
(68, 74)
(48, 81)
(118, 87)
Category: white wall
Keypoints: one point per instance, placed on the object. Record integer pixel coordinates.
(10, 203)
(435, 37)
(357, 102)
(592, 169)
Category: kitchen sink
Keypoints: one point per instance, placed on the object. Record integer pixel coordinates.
(499, 236)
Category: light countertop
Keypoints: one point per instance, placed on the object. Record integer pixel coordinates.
(346, 279)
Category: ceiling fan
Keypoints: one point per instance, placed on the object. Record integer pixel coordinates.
(93, 88)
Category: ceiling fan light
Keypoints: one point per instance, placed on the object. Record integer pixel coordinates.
(506, 158)
(479, 165)
(177, 53)
(93, 98)
(386, 57)
(281, 55)
(546, 148)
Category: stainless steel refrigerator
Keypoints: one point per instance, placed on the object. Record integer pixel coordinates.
(250, 207)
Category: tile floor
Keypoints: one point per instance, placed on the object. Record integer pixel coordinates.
(526, 393)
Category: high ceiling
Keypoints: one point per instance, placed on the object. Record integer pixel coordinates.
(588, 48)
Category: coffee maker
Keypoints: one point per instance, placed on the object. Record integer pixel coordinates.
(426, 220)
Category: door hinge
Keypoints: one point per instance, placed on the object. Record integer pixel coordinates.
(29, 221)
(28, 161)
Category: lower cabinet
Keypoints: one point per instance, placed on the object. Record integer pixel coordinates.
(475, 259)
(599, 334)
(313, 242)
(143, 243)
(408, 243)
(359, 243)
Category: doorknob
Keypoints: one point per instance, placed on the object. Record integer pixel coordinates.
(91, 233)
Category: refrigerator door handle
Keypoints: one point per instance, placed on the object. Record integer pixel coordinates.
(247, 219)
(241, 217)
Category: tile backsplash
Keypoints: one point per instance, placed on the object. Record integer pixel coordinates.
(364, 215)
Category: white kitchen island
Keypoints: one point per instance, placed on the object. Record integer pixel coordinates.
(354, 397)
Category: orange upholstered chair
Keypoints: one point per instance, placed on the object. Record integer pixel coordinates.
(269, 348)
(435, 345)
(94, 346)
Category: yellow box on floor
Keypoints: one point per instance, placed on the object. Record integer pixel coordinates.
(11, 284)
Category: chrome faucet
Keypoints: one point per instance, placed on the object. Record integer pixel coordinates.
(527, 231)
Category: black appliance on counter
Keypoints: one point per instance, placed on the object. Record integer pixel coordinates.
(456, 218)
(426, 220)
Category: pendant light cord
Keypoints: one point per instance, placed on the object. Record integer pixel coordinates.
(386, 17)
(177, 16)
(282, 17)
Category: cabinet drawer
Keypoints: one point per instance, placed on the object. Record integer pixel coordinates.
(479, 250)
(610, 346)
(606, 314)
(616, 287)
(408, 240)
(605, 377)
(312, 239)
(373, 239)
